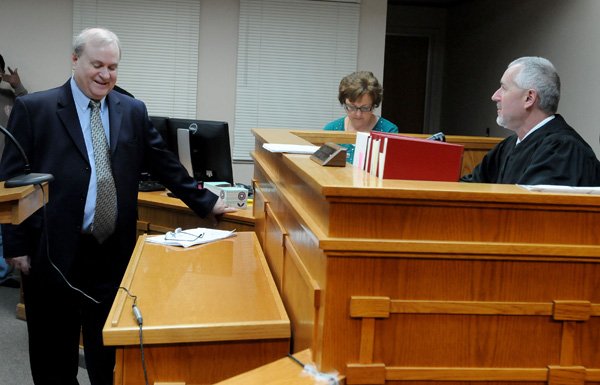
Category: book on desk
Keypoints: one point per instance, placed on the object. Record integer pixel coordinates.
(394, 156)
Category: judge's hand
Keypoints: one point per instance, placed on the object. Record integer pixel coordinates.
(13, 78)
(22, 263)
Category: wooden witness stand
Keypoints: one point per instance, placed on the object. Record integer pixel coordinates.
(209, 312)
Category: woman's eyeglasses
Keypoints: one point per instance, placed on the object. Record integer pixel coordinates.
(353, 108)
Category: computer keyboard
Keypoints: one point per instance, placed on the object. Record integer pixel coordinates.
(150, 185)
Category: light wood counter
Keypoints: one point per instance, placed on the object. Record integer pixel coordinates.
(210, 312)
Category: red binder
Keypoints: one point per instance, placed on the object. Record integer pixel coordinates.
(404, 157)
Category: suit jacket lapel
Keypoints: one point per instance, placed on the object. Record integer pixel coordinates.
(115, 114)
(67, 114)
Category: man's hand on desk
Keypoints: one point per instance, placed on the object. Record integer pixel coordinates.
(221, 208)
(22, 263)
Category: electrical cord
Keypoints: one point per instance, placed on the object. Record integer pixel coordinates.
(136, 311)
(311, 370)
(48, 251)
(137, 314)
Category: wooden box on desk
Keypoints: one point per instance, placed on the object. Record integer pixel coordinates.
(209, 312)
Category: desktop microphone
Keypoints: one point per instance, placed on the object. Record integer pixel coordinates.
(28, 178)
(137, 314)
(440, 137)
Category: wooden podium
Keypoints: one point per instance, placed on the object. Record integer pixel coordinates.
(391, 281)
(18, 203)
(210, 312)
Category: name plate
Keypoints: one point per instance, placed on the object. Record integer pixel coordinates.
(330, 154)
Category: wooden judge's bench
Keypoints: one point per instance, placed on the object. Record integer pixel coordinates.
(391, 281)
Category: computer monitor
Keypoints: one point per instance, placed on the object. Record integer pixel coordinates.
(160, 123)
(209, 149)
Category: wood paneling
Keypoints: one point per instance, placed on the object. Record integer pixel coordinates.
(302, 296)
(273, 245)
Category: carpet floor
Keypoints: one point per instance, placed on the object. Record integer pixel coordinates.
(14, 362)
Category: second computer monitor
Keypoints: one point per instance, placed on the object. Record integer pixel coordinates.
(209, 148)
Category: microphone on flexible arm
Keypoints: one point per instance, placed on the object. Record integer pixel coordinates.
(28, 178)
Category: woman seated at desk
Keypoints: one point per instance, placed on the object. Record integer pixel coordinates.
(360, 93)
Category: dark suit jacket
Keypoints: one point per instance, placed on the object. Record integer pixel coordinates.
(47, 126)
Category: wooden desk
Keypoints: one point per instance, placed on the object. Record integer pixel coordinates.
(391, 281)
(159, 213)
(210, 312)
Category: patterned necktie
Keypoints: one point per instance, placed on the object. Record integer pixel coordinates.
(105, 214)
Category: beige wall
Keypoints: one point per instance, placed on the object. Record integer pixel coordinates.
(486, 35)
(481, 38)
(36, 38)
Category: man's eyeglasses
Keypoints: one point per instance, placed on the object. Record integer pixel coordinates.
(180, 235)
(353, 108)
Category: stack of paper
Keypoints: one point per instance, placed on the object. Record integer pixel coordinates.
(291, 148)
(191, 237)
(561, 189)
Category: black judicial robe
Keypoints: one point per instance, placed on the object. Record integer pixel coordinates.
(553, 154)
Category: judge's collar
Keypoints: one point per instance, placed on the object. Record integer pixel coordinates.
(537, 126)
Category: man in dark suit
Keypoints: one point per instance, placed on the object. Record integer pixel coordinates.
(71, 273)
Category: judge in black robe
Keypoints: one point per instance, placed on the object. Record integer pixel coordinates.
(544, 149)
(553, 154)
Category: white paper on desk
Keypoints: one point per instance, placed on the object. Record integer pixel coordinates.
(561, 189)
(190, 237)
(291, 148)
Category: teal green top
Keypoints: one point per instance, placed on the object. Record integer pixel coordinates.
(382, 125)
